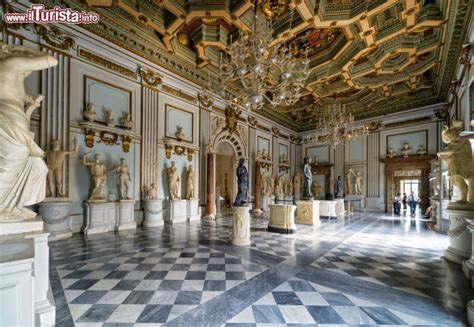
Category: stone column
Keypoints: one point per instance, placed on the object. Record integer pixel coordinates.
(211, 186)
(257, 210)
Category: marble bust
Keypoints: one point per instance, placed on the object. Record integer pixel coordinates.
(179, 133)
(308, 179)
(89, 112)
(190, 183)
(126, 121)
(406, 150)
(242, 184)
(421, 150)
(54, 158)
(22, 169)
(152, 192)
(124, 179)
(110, 117)
(459, 161)
(391, 153)
(99, 175)
(173, 181)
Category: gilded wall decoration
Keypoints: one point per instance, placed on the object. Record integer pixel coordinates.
(55, 37)
(101, 61)
(150, 77)
(231, 119)
(217, 124)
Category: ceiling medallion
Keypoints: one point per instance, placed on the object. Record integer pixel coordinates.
(274, 9)
(337, 127)
(264, 72)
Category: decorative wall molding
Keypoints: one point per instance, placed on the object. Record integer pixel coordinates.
(178, 93)
(101, 61)
(150, 77)
(53, 36)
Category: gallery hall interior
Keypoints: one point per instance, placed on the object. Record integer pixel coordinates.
(236, 163)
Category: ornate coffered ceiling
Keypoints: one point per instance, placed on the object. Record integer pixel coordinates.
(374, 56)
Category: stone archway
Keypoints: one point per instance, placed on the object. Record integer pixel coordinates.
(233, 139)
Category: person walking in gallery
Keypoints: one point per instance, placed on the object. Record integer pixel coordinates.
(412, 202)
(397, 205)
(404, 201)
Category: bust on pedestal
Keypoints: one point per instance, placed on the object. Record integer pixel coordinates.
(153, 208)
(240, 210)
(307, 209)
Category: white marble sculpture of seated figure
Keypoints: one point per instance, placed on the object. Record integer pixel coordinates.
(22, 169)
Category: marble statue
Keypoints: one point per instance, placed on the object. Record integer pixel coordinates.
(288, 187)
(242, 184)
(179, 133)
(269, 185)
(308, 179)
(350, 173)
(297, 185)
(339, 187)
(280, 188)
(124, 179)
(173, 181)
(406, 150)
(152, 192)
(258, 156)
(54, 158)
(89, 112)
(110, 117)
(421, 150)
(190, 183)
(459, 161)
(99, 175)
(126, 121)
(316, 189)
(391, 153)
(22, 169)
(358, 183)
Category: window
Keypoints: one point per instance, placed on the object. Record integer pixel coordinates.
(409, 185)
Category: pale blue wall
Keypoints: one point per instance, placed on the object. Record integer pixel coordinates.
(105, 97)
(322, 152)
(178, 117)
(414, 139)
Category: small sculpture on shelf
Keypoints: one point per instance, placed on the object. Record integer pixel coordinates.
(242, 184)
(308, 179)
(89, 112)
(152, 192)
(190, 183)
(258, 156)
(391, 153)
(110, 117)
(406, 150)
(126, 121)
(421, 150)
(459, 161)
(339, 187)
(179, 133)
(55, 161)
(283, 159)
(124, 179)
(297, 185)
(99, 175)
(173, 181)
(315, 160)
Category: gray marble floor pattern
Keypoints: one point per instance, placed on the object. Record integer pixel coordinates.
(366, 269)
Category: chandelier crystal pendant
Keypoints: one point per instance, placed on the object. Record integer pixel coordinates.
(260, 71)
(337, 127)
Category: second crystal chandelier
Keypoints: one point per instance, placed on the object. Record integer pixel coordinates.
(267, 73)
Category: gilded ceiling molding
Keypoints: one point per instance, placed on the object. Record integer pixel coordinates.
(101, 61)
(408, 122)
(205, 101)
(180, 94)
(55, 37)
(150, 77)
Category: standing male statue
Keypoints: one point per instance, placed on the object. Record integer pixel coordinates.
(190, 183)
(308, 179)
(124, 179)
(54, 160)
(22, 169)
(338, 187)
(242, 184)
(99, 175)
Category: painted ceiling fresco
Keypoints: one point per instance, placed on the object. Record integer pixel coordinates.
(374, 56)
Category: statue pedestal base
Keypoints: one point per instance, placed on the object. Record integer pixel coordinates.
(267, 200)
(282, 218)
(460, 244)
(153, 213)
(355, 202)
(440, 218)
(468, 265)
(470, 312)
(327, 209)
(100, 217)
(176, 211)
(241, 226)
(193, 210)
(20, 227)
(56, 215)
(307, 212)
(126, 218)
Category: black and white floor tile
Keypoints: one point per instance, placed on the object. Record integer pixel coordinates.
(368, 269)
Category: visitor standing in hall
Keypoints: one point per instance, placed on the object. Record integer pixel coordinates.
(412, 202)
(404, 201)
(397, 205)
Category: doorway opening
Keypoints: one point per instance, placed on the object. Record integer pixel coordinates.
(225, 188)
(409, 185)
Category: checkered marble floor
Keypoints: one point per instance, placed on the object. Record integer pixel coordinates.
(189, 275)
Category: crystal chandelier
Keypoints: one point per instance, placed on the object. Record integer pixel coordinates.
(264, 72)
(336, 126)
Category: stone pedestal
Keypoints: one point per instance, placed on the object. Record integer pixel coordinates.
(19, 227)
(327, 209)
(439, 214)
(126, 217)
(153, 213)
(193, 210)
(267, 200)
(468, 265)
(56, 215)
(357, 202)
(307, 212)
(240, 226)
(100, 217)
(340, 207)
(176, 211)
(460, 244)
(282, 218)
